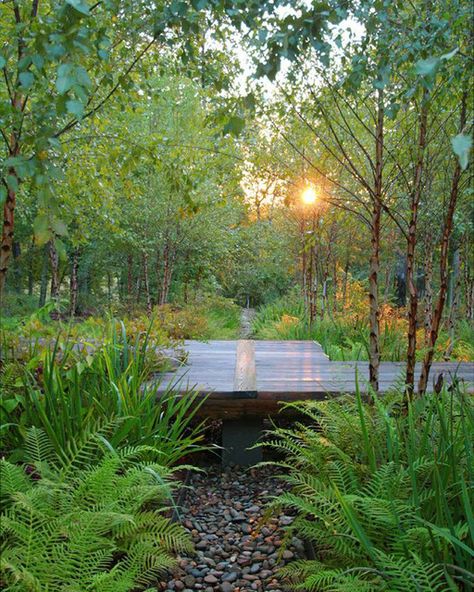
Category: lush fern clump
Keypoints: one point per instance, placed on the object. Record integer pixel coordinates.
(383, 493)
(85, 527)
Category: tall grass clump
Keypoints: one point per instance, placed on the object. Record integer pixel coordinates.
(71, 390)
(382, 491)
(344, 333)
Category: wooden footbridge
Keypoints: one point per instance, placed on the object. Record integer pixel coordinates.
(245, 381)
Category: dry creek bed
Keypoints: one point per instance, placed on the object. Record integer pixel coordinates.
(236, 550)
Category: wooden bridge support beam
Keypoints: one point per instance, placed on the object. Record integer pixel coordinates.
(238, 435)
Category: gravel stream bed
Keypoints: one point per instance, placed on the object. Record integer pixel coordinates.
(235, 550)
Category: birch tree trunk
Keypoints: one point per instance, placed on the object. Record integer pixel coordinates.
(374, 307)
(411, 247)
(443, 264)
(428, 298)
(146, 284)
(74, 284)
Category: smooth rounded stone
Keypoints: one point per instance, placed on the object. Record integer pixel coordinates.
(233, 551)
(250, 577)
(287, 555)
(189, 581)
(230, 577)
(209, 561)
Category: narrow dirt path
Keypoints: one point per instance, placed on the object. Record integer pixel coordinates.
(235, 550)
(246, 320)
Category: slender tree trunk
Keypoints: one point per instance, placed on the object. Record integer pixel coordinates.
(428, 298)
(443, 264)
(74, 285)
(451, 324)
(54, 261)
(374, 308)
(304, 262)
(44, 277)
(313, 278)
(129, 281)
(411, 247)
(7, 236)
(9, 213)
(146, 283)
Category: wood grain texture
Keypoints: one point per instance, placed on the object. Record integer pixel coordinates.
(249, 378)
(245, 377)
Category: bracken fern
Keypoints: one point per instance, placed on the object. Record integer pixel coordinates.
(100, 527)
(383, 493)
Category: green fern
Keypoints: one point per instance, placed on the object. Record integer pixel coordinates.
(100, 527)
(382, 495)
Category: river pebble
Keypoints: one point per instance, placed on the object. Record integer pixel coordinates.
(236, 549)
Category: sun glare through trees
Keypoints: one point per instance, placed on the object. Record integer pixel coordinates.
(237, 295)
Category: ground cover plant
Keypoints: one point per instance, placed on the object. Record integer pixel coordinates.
(383, 491)
(68, 387)
(90, 453)
(92, 521)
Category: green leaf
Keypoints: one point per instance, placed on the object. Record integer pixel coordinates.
(75, 108)
(60, 248)
(3, 195)
(64, 80)
(235, 125)
(59, 227)
(26, 79)
(79, 5)
(426, 67)
(38, 61)
(41, 229)
(3, 62)
(82, 77)
(10, 405)
(461, 147)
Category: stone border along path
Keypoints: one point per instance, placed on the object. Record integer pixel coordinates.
(235, 551)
